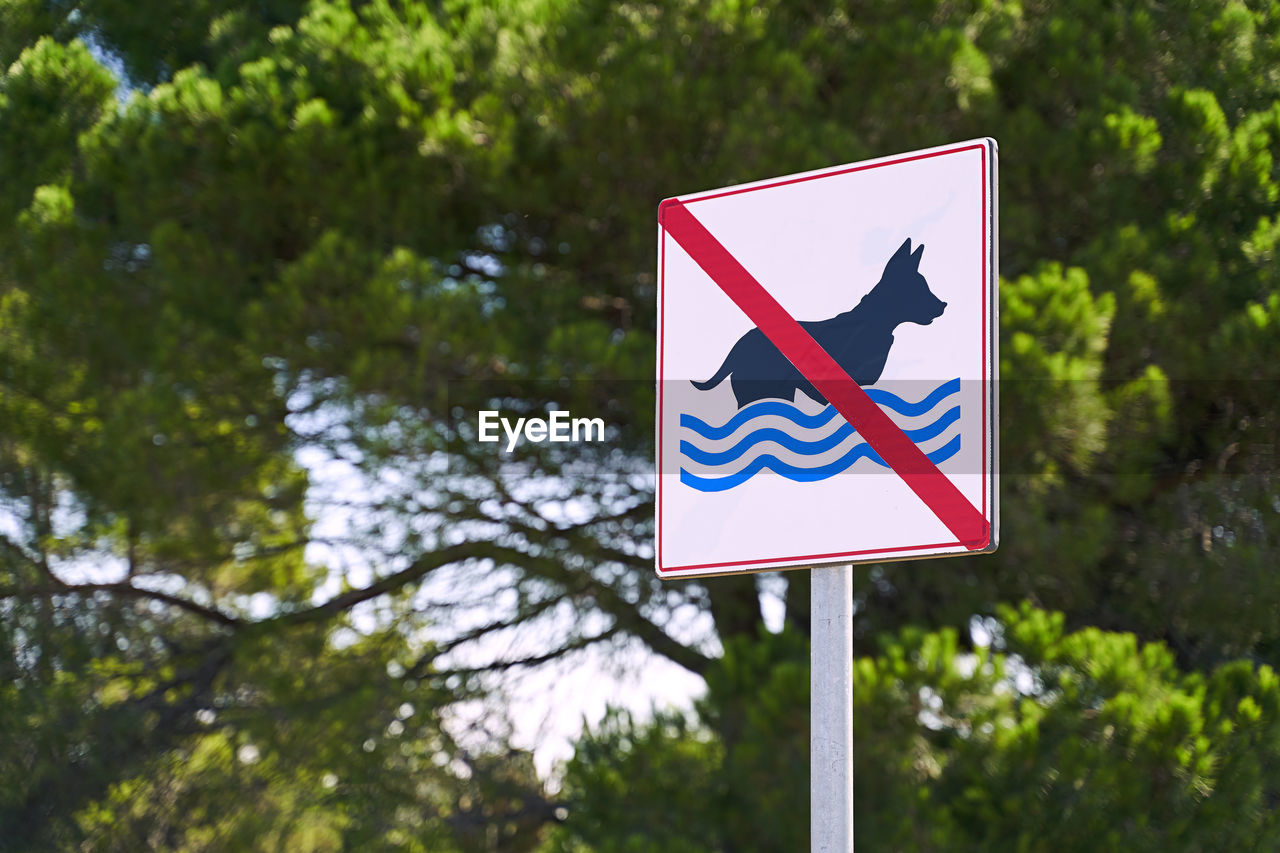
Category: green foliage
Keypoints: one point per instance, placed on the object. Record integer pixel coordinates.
(252, 291)
(303, 759)
(1047, 741)
(50, 95)
(639, 786)
(734, 778)
(1078, 741)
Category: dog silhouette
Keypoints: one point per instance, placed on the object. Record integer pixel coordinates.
(859, 340)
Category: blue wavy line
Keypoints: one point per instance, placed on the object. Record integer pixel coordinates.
(759, 410)
(788, 410)
(805, 448)
(804, 475)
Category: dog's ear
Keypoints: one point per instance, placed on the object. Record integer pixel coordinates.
(915, 256)
(900, 257)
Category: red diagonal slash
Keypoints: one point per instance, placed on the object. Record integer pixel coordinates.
(933, 487)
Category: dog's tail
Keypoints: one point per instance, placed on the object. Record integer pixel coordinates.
(724, 371)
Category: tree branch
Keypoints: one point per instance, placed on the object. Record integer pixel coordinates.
(608, 599)
(534, 660)
(126, 589)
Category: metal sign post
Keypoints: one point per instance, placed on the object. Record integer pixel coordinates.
(831, 710)
(827, 394)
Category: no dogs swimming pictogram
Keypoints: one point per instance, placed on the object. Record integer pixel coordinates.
(736, 267)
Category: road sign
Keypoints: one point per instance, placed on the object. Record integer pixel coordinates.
(827, 366)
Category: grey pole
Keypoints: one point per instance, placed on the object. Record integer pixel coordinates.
(831, 710)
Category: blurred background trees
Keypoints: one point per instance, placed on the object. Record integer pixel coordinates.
(258, 262)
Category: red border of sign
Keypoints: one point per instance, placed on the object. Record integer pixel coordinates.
(703, 569)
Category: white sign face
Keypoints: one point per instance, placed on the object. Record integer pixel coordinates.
(827, 366)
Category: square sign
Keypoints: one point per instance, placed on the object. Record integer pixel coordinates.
(827, 366)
